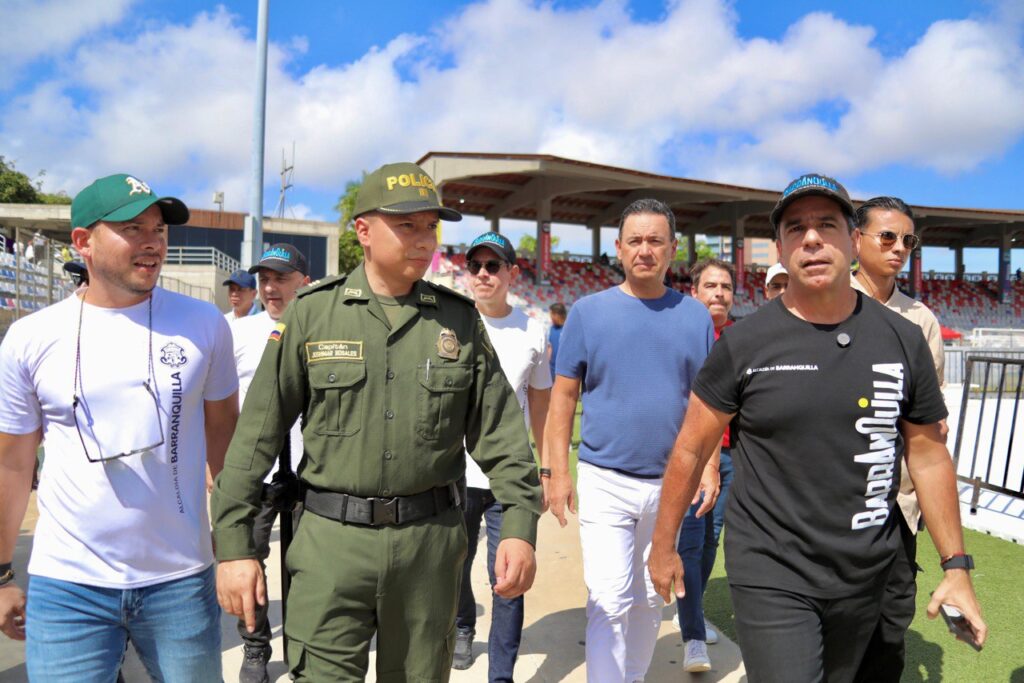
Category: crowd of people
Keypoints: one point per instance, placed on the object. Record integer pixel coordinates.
(394, 414)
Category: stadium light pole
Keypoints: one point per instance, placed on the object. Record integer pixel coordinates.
(252, 236)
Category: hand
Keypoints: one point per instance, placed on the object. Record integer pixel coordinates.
(710, 483)
(209, 480)
(515, 566)
(12, 611)
(955, 589)
(240, 587)
(560, 496)
(666, 570)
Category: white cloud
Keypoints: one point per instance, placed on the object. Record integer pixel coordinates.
(687, 92)
(37, 28)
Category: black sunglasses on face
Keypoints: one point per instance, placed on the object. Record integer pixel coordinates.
(492, 266)
(887, 238)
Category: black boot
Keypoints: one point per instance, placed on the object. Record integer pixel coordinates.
(254, 665)
(463, 656)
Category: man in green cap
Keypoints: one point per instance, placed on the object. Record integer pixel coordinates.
(391, 376)
(134, 390)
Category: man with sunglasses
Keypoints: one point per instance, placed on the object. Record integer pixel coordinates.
(393, 377)
(134, 390)
(825, 391)
(520, 346)
(887, 240)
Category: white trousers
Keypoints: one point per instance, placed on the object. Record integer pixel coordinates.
(617, 515)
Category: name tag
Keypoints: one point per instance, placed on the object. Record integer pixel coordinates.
(318, 352)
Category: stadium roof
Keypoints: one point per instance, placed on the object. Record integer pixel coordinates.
(516, 186)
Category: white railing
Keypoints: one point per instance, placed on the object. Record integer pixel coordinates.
(201, 256)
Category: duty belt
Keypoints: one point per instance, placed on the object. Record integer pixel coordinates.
(343, 507)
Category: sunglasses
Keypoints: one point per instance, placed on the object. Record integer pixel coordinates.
(492, 267)
(887, 238)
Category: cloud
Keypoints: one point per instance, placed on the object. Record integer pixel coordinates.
(685, 94)
(38, 28)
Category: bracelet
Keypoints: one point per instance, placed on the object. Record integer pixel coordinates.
(545, 472)
(6, 577)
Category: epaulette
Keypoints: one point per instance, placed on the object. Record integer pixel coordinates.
(322, 283)
(451, 292)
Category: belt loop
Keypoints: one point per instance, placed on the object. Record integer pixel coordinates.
(344, 508)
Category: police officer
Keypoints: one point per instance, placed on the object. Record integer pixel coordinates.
(390, 374)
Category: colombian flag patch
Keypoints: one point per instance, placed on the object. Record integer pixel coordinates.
(275, 334)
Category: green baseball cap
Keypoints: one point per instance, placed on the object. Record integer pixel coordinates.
(399, 189)
(122, 197)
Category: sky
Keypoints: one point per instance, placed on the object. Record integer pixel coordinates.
(923, 100)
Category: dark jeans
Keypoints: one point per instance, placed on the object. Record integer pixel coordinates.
(884, 659)
(787, 637)
(506, 615)
(698, 549)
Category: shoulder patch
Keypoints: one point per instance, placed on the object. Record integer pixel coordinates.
(322, 283)
(451, 292)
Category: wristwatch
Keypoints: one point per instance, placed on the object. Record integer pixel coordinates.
(958, 561)
(6, 577)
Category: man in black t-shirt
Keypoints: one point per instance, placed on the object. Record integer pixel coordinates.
(827, 390)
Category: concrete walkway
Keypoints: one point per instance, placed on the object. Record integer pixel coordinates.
(553, 632)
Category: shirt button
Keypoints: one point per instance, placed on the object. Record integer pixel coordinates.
(331, 377)
(448, 381)
(388, 414)
(387, 455)
(386, 492)
(390, 375)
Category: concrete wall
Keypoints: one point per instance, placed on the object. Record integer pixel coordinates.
(198, 276)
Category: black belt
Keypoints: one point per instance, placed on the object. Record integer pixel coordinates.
(343, 507)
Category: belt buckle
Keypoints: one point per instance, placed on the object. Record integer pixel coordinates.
(385, 511)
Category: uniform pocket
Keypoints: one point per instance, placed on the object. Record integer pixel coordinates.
(443, 396)
(336, 402)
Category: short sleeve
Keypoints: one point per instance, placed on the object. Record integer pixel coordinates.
(717, 383)
(572, 348)
(540, 373)
(925, 404)
(20, 411)
(222, 379)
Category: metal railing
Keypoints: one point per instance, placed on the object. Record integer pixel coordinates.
(201, 256)
(195, 291)
(984, 455)
(957, 356)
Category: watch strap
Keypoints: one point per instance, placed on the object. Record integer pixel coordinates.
(958, 561)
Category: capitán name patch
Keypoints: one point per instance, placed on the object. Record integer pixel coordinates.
(320, 351)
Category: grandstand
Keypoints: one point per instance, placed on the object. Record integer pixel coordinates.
(960, 305)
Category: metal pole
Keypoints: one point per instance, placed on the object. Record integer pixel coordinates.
(17, 272)
(252, 237)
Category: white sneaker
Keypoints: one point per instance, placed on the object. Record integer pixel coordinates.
(695, 657)
(710, 634)
(675, 622)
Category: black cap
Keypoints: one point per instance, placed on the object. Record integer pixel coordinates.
(497, 243)
(811, 184)
(282, 257)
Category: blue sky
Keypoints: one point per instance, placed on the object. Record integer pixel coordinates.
(921, 100)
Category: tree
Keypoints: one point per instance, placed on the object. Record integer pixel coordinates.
(703, 251)
(350, 252)
(18, 188)
(528, 243)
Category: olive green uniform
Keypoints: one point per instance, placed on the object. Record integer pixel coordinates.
(385, 411)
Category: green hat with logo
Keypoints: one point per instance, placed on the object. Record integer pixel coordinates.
(122, 197)
(399, 189)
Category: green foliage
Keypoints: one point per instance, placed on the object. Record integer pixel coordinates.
(58, 198)
(350, 252)
(15, 186)
(528, 243)
(703, 251)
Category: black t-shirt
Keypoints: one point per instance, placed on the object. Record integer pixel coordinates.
(816, 443)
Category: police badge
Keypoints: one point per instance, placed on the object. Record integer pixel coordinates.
(448, 345)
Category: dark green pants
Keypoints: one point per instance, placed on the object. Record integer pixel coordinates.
(350, 582)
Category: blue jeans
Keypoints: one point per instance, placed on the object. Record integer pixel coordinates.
(698, 549)
(79, 633)
(506, 615)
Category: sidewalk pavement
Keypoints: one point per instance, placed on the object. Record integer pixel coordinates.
(553, 633)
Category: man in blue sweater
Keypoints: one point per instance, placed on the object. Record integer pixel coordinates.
(634, 350)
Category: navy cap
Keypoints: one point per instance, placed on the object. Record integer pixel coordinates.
(242, 278)
(811, 184)
(497, 243)
(282, 257)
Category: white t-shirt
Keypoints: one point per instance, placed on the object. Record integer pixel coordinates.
(521, 346)
(250, 336)
(232, 318)
(138, 520)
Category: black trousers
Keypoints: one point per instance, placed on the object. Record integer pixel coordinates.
(786, 637)
(886, 654)
(261, 528)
